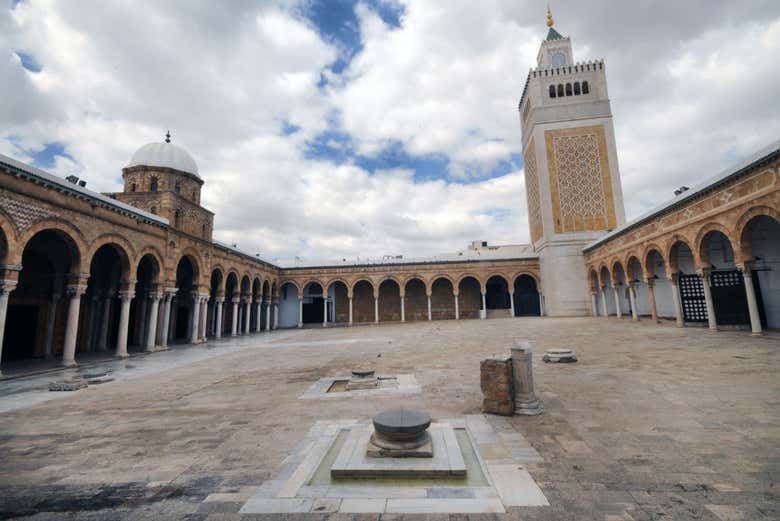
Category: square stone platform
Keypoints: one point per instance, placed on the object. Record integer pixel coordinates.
(354, 461)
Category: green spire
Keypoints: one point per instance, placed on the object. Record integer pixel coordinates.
(552, 34)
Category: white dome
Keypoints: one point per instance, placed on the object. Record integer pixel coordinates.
(165, 155)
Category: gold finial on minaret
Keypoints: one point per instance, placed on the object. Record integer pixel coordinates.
(549, 17)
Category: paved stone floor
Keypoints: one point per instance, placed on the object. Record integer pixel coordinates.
(653, 422)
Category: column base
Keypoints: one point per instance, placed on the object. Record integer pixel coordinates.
(69, 363)
(761, 333)
(122, 356)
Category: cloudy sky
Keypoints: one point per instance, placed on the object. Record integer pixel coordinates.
(335, 128)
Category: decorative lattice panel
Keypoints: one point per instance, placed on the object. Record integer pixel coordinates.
(692, 297)
(729, 298)
(580, 182)
(532, 194)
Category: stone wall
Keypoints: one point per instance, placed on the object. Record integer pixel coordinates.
(497, 385)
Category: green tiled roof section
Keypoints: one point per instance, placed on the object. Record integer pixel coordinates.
(552, 34)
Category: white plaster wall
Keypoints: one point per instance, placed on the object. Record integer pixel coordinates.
(564, 280)
(642, 299)
(288, 306)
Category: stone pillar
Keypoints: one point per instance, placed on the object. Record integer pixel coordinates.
(594, 304)
(50, 320)
(218, 318)
(632, 299)
(542, 311)
(617, 301)
(324, 310)
(457, 307)
(151, 329)
(526, 402)
(604, 307)
(276, 314)
(125, 298)
(257, 316)
(430, 315)
(678, 315)
(300, 312)
(234, 318)
(71, 332)
(651, 299)
(160, 319)
(750, 293)
(166, 323)
(350, 311)
(403, 308)
(711, 319)
(268, 315)
(376, 310)
(195, 319)
(483, 311)
(6, 287)
(512, 303)
(105, 317)
(247, 316)
(204, 313)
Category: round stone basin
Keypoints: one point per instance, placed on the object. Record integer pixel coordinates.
(362, 373)
(401, 429)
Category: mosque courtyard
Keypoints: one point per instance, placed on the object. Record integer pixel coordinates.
(653, 422)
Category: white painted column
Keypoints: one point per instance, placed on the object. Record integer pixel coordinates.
(268, 315)
(376, 310)
(218, 318)
(324, 310)
(617, 302)
(50, 320)
(151, 329)
(483, 311)
(300, 312)
(234, 321)
(430, 315)
(72, 328)
(604, 301)
(678, 315)
(542, 311)
(204, 313)
(166, 323)
(160, 319)
(105, 316)
(512, 303)
(403, 309)
(276, 314)
(457, 307)
(125, 298)
(750, 293)
(247, 316)
(711, 319)
(632, 298)
(6, 287)
(350, 311)
(258, 322)
(594, 304)
(195, 319)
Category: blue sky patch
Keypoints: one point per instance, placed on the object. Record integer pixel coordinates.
(28, 61)
(45, 157)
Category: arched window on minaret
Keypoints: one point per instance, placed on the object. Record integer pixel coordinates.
(577, 88)
(568, 89)
(177, 187)
(132, 187)
(585, 87)
(176, 218)
(560, 90)
(552, 91)
(153, 185)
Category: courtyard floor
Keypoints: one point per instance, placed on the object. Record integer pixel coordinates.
(653, 422)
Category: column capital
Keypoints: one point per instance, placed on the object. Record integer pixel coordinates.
(171, 291)
(155, 295)
(219, 300)
(7, 286)
(704, 272)
(127, 294)
(746, 268)
(76, 290)
(650, 281)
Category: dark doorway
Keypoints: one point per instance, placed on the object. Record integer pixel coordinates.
(19, 338)
(526, 297)
(729, 298)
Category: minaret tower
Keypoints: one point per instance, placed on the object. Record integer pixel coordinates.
(571, 168)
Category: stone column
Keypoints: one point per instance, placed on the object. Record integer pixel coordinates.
(617, 301)
(106, 316)
(324, 311)
(6, 287)
(268, 315)
(234, 318)
(750, 293)
(594, 304)
(483, 311)
(430, 315)
(218, 318)
(141, 321)
(376, 310)
(711, 318)
(276, 314)
(166, 323)
(50, 320)
(151, 329)
(542, 311)
(204, 313)
(457, 307)
(651, 299)
(604, 306)
(247, 316)
(125, 298)
(632, 299)
(71, 332)
(678, 315)
(257, 316)
(195, 319)
(300, 312)
(403, 308)
(350, 311)
(160, 319)
(526, 402)
(512, 303)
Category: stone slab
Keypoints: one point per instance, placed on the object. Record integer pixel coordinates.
(363, 506)
(515, 486)
(445, 506)
(262, 505)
